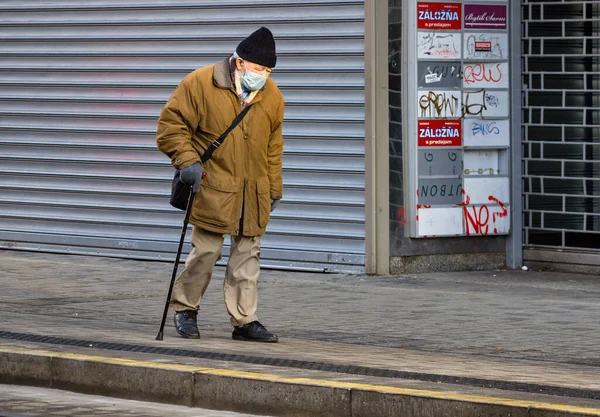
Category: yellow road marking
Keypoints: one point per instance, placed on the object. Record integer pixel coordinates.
(481, 399)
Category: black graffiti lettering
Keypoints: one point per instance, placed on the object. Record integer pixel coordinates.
(473, 103)
(438, 105)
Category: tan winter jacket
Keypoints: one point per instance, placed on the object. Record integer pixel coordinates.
(244, 174)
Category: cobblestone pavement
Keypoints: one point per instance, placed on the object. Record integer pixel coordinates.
(541, 316)
(17, 401)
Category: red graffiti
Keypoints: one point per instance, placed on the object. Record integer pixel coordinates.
(466, 202)
(421, 206)
(400, 214)
(482, 73)
(504, 211)
(479, 220)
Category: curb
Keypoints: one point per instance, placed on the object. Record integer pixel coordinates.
(252, 392)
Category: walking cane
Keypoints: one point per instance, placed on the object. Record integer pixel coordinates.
(188, 210)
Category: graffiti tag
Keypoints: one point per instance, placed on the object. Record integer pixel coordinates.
(439, 104)
(438, 45)
(484, 103)
(486, 46)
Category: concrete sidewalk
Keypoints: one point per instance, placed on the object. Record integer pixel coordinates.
(514, 341)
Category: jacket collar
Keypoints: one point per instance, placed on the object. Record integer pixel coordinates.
(223, 78)
(222, 75)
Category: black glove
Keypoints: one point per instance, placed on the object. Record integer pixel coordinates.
(275, 203)
(192, 175)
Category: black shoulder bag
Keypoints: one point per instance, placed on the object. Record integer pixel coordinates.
(179, 190)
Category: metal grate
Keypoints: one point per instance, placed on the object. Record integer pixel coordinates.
(315, 366)
(561, 118)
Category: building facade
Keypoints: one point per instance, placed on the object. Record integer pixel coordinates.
(82, 86)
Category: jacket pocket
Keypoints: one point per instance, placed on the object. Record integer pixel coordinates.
(217, 198)
(264, 201)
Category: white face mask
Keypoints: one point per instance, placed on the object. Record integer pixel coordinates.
(253, 81)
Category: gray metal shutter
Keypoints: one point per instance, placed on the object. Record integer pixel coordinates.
(82, 84)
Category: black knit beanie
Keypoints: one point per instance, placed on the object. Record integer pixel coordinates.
(259, 48)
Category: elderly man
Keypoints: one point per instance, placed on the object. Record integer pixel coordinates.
(237, 188)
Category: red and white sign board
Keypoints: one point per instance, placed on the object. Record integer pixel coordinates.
(439, 15)
(440, 133)
(483, 46)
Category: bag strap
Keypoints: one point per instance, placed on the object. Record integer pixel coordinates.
(215, 145)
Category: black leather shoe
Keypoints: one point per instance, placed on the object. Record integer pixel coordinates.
(185, 324)
(254, 332)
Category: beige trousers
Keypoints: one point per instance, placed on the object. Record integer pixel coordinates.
(240, 287)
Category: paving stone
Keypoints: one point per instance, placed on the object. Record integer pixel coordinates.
(510, 325)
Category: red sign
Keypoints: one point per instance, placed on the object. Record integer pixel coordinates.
(483, 46)
(440, 133)
(439, 16)
(486, 16)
